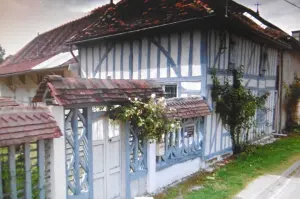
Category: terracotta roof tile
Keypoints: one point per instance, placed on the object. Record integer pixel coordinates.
(21, 124)
(70, 91)
(129, 15)
(7, 101)
(183, 108)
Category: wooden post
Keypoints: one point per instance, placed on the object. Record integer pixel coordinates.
(41, 164)
(12, 169)
(28, 186)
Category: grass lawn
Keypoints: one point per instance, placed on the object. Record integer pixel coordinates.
(233, 177)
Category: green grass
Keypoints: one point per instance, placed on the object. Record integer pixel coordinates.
(234, 177)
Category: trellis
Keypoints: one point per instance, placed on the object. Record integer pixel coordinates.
(78, 153)
(138, 153)
(179, 146)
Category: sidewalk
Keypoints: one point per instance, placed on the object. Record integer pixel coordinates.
(285, 186)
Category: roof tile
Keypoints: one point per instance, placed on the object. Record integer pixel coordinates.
(183, 108)
(70, 91)
(21, 124)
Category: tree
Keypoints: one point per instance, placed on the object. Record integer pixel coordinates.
(2, 53)
(236, 106)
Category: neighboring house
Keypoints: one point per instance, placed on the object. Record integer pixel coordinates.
(46, 54)
(291, 69)
(178, 44)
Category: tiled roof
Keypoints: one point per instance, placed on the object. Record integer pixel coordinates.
(237, 12)
(46, 45)
(7, 101)
(22, 124)
(131, 15)
(70, 91)
(183, 108)
(128, 15)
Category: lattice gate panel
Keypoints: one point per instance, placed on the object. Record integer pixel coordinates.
(78, 153)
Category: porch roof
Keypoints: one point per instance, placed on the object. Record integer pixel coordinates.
(74, 91)
(21, 124)
(183, 108)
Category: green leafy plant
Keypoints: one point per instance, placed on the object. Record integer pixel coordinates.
(236, 106)
(148, 116)
(292, 98)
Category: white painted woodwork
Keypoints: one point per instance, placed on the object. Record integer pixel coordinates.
(107, 160)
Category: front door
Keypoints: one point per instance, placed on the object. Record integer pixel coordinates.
(107, 159)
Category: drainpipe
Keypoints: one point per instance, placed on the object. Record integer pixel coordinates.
(77, 61)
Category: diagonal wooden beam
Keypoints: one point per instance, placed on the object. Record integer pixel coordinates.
(103, 58)
(168, 56)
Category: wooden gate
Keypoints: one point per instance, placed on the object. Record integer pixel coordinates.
(107, 158)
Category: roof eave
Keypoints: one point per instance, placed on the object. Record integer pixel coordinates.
(138, 30)
(33, 71)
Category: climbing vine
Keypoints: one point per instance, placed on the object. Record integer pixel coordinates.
(149, 116)
(292, 98)
(236, 106)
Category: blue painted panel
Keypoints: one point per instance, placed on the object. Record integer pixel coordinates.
(179, 148)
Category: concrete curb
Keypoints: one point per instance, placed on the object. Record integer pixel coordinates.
(273, 187)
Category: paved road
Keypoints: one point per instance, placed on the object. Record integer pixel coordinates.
(290, 189)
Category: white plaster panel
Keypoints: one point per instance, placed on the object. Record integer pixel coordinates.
(153, 61)
(103, 65)
(110, 58)
(163, 58)
(196, 70)
(270, 83)
(250, 82)
(191, 86)
(144, 58)
(96, 60)
(90, 62)
(174, 51)
(177, 172)
(262, 83)
(126, 54)
(83, 62)
(185, 54)
(118, 62)
(135, 70)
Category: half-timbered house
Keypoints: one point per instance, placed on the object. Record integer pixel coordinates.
(178, 44)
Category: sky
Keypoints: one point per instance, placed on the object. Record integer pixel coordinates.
(22, 20)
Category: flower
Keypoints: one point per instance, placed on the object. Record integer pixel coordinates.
(172, 125)
(136, 99)
(153, 96)
(129, 99)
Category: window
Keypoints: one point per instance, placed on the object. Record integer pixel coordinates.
(171, 91)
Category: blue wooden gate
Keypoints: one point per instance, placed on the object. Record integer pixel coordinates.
(79, 163)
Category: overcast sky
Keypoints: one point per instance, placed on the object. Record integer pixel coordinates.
(22, 20)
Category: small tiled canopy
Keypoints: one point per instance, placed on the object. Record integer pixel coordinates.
(22, 124)
(190, 107)
(73, 91)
